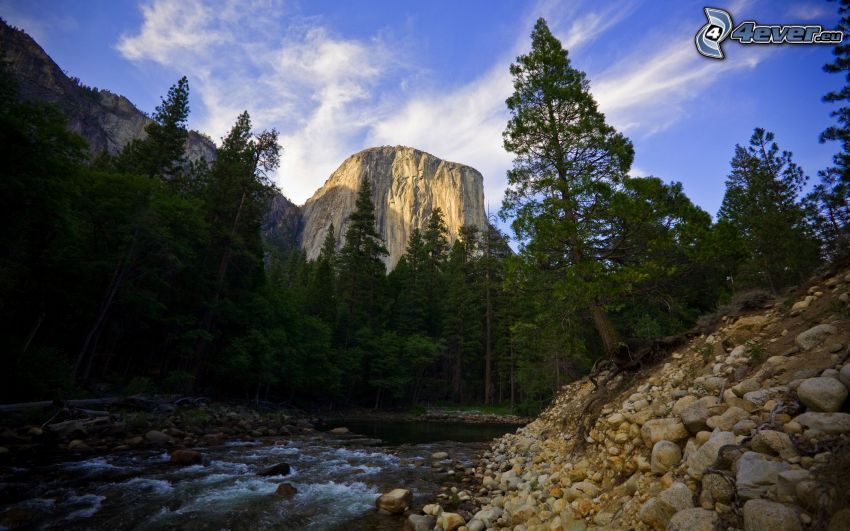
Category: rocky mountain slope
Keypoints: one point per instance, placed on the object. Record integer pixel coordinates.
(746, 428)
(407, 184)
(106, 120)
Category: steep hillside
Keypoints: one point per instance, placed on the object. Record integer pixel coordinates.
(407, 184)
(746, 428)
(106, 120)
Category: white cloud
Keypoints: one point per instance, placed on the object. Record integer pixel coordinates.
(331, 96)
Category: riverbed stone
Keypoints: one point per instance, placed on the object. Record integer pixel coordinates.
(279, 469)
(694, 519)
(185, 457)
(670, 429)
(822, 394)
(756, 474)
(727, 419)
(286, 490)
(450, 521)
(814, 336)
(774, 443)
(420, 522)
(694, 415)
(439, 456)
(395, 501)
(706, 455)
(824, 422)
(761, 515)
(665, 455)
(157, 437)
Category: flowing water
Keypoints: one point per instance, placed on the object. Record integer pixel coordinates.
(337, 478)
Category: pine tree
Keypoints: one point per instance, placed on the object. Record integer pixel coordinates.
(568, 161)
(435, 246)
(830, 199)
(321, 296)
(761, 203)
(161, 153)
(361, 266)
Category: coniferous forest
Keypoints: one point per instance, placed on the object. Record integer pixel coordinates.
(142, 272)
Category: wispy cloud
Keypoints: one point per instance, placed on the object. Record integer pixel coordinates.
(331, 96)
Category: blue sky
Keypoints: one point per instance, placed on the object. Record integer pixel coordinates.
(336, 77)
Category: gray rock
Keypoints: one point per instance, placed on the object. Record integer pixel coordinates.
(716, 488)
(822, 393)
(706, 455)
(407, 185)
(814, 336)
(786, 484)
(727, 419)
(760, 397)
(829, 423)
(694, 415)
(657, 512)
(157, 437)
(757, 474)
(665, 455)
(669, 429)
(774, 443)
(765, 515)
(693, 520)
(844, 375)
(488, 516)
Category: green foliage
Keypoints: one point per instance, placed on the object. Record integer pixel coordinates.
(139, 385)
(179, 382)
(761, 204)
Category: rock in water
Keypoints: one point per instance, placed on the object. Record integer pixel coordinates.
(186, 457)
(395, 501)
(280, 469)
(286, 490)
(407, 184)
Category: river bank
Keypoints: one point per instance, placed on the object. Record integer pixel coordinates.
(202, 465)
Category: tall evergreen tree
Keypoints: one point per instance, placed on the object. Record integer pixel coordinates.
(362, 268)
(321, 297)
(161, 153)
(568, 161)
(830, 199)
(761, 203)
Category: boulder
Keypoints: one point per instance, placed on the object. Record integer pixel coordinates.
(694, 415)
(420, 522)
(280, 469)
(840, 521)
(746, 327)
(488, 516)
(657, 512)
(727, 419)
(844, 375)
(814, 336)
(286, 490)
(693, 520)
(439, 456)
(822, 393)
(774, 443)
(339, 431)
(157, 437)
(395, 501)
(665, 455)
(669, 429)
(828, 423)
(760, 397)
(761, 515)
(185, 457)
(450, 521)
(757, 474)
(706, 455)
(716, 488)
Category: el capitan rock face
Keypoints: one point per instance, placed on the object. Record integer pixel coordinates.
(407, 185)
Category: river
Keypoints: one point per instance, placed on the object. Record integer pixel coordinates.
(338, 478)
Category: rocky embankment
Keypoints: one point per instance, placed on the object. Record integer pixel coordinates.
(85, 431)
(746, 428)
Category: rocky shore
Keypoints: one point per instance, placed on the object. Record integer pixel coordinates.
(745, 428)
(430, 415)
(161, 423)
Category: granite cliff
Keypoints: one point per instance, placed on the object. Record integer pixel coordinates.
(106, 120)
(407, 185)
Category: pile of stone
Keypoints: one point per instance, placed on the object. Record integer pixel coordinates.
(744, 429)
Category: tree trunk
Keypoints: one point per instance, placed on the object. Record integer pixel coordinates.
(606, 331)
(118, 276)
